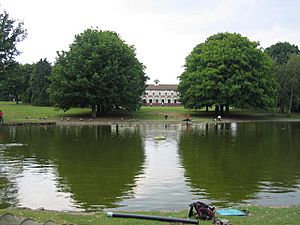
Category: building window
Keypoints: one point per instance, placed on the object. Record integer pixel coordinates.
(172, 93)
(175, 101)
(169, 101)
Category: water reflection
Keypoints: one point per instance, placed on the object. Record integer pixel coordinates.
(98, 170)
(237, 163)
(124, 167)
(162, 184)
(92, 166)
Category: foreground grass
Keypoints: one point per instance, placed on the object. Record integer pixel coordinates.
(26, 113)
(258, 216)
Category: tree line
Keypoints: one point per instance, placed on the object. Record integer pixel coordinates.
(101, 71)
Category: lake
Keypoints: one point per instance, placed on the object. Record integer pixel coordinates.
(124, 167)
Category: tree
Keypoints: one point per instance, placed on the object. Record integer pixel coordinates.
(15, 86)
(101, 71)
(280, 53)
(291, 71)
(39, 83)
(25, 71)
(11, 32)
(14, 83)
(227, 70)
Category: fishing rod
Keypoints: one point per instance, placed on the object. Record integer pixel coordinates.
(147, 217)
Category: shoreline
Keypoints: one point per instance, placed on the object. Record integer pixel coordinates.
(257, 215)
(114, 121)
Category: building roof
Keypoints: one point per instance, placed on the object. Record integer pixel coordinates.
(162, 87)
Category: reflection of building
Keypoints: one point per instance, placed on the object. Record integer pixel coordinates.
(161, 94)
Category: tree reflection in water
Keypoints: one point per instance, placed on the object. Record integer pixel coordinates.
(234, 163)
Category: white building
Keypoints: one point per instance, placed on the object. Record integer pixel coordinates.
(161, 94)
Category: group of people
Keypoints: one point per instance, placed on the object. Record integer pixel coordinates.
(1, 116)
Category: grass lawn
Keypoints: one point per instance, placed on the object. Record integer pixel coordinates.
(23, 112)
(258, 216)
(26, 113)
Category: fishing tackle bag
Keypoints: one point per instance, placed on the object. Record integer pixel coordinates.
(201, 211)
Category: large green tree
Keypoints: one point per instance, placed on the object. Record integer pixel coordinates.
(291, 72)
(39, 83)
(11, 32)
(280, 53)
(101, 71)
(228, 70)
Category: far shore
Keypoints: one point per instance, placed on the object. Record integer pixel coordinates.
(120, 121)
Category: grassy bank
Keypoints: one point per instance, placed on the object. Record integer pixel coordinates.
(26, 113)
(23, 112)
(258, 216)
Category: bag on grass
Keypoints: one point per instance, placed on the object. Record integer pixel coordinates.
(202, 211)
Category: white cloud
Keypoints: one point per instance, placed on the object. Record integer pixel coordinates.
(163, 31)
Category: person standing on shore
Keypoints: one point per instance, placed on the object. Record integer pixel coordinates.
(1, 116)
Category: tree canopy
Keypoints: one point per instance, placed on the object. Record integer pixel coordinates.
(291, 86)
(11, 32)
(281, 50)
(14, 84)
(39, 83)
(281, 53)
(228, 70)
(99, 70)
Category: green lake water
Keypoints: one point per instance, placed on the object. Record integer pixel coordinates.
(87, 168)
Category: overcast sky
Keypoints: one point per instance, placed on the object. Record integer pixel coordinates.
(164, 32)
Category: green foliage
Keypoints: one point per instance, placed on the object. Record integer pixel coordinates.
(17, 82)
(230, 70)
(14, 82)
(11, 32)
(281, 51)
(25, 72)
(291, 82)
(39, 83)
(288, 96)
(100, 70)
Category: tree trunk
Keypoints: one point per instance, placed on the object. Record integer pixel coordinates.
(217, 108)
(290, 103)
(99, 109)
(17, 99)
(227, 108)
(221, 109)
(94, 113)
(281, 108)
(206, 108)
